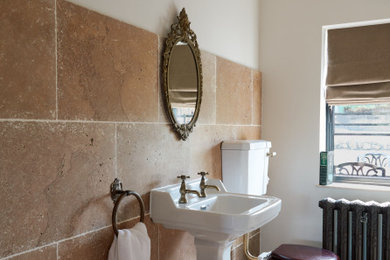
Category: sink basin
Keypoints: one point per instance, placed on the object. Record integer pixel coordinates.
(215, 221)
(229, 204)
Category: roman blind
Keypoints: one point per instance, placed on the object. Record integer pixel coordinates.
(358, 66)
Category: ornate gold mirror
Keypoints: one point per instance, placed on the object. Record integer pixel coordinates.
(182, 76)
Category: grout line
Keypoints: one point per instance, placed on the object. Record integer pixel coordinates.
(158, 78)
(158, 243)
(96, 230)
(56, 54)
(261, 98)
(215, 88)
(238, 125)
(242, 243)
(66, 239)
(255, 234)
(105, 122)
(77, 121)
(252, 100)
(57, 252)
(28, 251)
(116, 151)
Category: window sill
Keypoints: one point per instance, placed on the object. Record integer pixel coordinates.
(355, 186)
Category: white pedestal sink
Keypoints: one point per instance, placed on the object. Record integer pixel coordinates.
(215, 221)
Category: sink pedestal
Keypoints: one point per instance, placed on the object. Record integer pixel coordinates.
(211, 250)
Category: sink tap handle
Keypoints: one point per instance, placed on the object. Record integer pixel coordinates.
(183, 177)
(203, 173)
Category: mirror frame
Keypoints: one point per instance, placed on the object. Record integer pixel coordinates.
(181, 32)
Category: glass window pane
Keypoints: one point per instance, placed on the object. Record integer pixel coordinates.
(360, 130)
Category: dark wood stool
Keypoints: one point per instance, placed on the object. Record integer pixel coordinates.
(299, 252)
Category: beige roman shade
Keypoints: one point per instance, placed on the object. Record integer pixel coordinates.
(358, 68)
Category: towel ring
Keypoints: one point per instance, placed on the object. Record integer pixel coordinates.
(116, 189)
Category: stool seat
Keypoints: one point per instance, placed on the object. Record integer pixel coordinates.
(300, 252)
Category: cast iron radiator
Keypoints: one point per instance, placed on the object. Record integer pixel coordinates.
(356, 230)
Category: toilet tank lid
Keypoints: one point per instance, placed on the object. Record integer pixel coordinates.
(245, 145)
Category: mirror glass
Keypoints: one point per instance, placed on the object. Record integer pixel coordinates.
(182, 76)
(182, 83)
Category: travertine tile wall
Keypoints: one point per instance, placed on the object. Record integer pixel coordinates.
(80, 104)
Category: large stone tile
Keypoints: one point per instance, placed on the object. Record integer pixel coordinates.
(92, 246)
(254, 244)
(207, 113)
(96, 245)
(45, 253)
(238, 253)
(249, 133)
(175, 245)
(238, 242)
(27, 59)
(54, 182)
(107, 70)
(205, 150)
(234, 93)
(149, 156)
(257, 102)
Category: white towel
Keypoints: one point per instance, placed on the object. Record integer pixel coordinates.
(131, 244)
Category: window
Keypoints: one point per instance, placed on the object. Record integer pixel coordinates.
(356, 84)
(359, 136)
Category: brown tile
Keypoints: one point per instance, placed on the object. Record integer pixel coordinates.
(175, 245)
(254, 232)
(150, 155)
(95, 245)
(234, 93)
(45, 253)
(249, 133)
(238, 253)
(92, 246)
(205, 150)
(257, 102)
(27, 59)
(207, 114)
(238, 242)
(61, 173)
(254, 244)
(107, 70)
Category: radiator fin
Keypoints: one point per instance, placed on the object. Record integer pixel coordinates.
(356, 230)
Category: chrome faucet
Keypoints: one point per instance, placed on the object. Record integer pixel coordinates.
(203, 186)
(184, 191)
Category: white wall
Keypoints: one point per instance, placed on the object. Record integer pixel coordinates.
(290, 59)
(228, 28)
